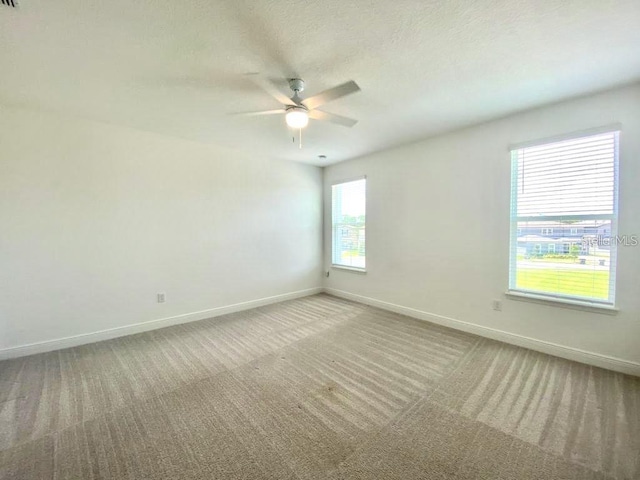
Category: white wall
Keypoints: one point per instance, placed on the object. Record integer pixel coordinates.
(96, 219)
(438, 228)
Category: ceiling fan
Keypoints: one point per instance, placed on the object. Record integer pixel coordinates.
(298, 110)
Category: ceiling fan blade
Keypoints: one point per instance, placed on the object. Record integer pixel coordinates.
(255, 114)
(332, 117)
(333, 93)
(271, 89)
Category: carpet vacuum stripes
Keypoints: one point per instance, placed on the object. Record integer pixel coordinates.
(314, 388)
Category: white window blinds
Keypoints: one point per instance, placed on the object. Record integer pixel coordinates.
(564, 218)
(348, 217)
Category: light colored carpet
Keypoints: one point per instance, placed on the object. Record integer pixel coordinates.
(314, 388)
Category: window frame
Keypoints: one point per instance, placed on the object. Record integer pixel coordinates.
(565, 300)
(334, 230)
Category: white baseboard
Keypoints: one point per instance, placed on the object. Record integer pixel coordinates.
(570, 353)
(92, 337)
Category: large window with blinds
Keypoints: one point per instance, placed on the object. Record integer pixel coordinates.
(564, 207)
(348, 218)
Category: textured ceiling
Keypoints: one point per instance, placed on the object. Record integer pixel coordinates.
(177, 67)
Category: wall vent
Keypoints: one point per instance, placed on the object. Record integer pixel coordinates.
(10, 3)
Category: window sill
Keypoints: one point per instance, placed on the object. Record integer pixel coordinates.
(563, 302)
(349, 269)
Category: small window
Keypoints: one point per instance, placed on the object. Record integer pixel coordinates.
(348, 217)
(565, 187)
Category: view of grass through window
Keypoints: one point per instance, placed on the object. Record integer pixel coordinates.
(570, 258)
(576, 282)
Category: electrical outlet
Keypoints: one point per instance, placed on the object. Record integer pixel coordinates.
(161, 298)
(496, 305)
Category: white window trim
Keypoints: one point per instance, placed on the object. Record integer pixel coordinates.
(566, 300)
(338, 266)
(563, 302)
(349, 269)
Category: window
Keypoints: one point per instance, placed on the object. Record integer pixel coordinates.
(565, 186)
(348, 215)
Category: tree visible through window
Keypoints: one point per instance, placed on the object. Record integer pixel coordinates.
(564, 218)
(348, 216)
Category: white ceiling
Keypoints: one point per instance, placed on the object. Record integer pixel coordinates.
(177, 67)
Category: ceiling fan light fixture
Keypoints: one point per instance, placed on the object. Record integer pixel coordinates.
(297, 117)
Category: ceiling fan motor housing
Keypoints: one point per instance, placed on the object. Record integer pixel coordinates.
(296, 84)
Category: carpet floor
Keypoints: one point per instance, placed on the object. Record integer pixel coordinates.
(314, 388)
